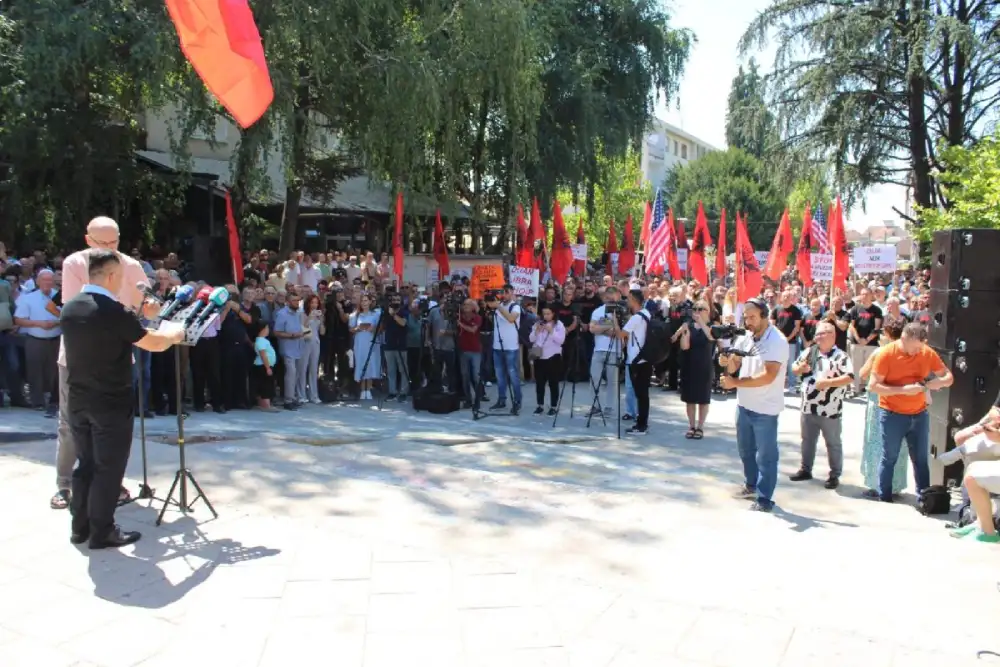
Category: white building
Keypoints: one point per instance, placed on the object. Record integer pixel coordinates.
(665, 146)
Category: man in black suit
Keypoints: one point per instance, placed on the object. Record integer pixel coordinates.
(98, 334)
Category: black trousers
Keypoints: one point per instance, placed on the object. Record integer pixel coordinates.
(206, 370)
(261, 384)
(641, 375)
(548, 372)
(674, 375)
(162, 382)
(103, 441)
(236, 374)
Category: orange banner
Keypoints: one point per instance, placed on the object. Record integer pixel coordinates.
(484, 278)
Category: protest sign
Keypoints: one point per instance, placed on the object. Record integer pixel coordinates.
(579, 251)
(484, 278)
(822, 265)
(524, 281)
(875, 259)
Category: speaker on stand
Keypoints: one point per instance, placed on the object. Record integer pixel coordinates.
(964, 330)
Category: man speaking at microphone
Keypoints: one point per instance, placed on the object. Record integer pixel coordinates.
(98, 335)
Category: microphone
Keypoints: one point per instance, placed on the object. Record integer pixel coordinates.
(182, 297)
(202, 300)
(216, 300)
(147, 292)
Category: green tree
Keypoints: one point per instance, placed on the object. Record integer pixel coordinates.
(807, 192)
(730, 179)
(750, 124)
(971, 182)
(882, 82)
(620, 192)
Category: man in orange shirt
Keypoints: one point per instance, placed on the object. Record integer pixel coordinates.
(902, 374)
(102, 234)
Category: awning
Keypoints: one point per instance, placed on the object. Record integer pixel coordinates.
(360, 194)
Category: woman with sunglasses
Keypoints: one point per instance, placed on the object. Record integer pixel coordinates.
(696, 390)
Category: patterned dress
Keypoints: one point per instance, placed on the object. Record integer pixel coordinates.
(872, 451)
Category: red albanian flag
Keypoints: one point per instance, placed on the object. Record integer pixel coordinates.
(441, 249)
(221, 41)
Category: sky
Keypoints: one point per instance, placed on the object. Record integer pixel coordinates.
(700, 108)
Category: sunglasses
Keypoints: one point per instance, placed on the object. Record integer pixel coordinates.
(700, 310)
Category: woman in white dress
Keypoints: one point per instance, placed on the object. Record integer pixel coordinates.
(362, 324)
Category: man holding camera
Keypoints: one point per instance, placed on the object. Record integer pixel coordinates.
(640, 370)
(506, 344)
(395, 347)
(442, 330)
(607, 351)
(755, 366)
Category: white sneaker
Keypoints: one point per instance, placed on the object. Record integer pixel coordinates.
(368, 395)
(316, 401)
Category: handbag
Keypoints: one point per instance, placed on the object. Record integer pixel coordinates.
(535, 352)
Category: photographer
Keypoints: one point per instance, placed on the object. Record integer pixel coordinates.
(757, 359)
(640, 370)
(607, 350)
(470, 349)
(338, 335)
(678, 313)
(507, 318)
(395, 346)
(442, 331)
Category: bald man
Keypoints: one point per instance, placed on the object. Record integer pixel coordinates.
(102, 233)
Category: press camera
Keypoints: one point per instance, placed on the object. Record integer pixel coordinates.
(726, 331)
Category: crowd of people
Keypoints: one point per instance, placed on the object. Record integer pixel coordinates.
(320, 327)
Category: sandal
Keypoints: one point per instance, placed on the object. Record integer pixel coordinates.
(691, 434)
(698, 434)
(60, 501)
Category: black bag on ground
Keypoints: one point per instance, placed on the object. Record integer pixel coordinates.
(436, 402)
(656, 347)
(934, 500)
(328, 391)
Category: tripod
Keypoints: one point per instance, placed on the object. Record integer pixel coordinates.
(183, 475)
(145, 492)
(596, 404)
(571, 362)
(364, 368)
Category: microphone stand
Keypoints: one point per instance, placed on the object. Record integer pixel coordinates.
(145, 492)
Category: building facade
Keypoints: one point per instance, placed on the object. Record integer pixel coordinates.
(666, 146)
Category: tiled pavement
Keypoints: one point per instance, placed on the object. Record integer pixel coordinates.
(419, 540)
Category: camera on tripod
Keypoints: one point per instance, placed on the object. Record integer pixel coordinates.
(726, 331)
(617, 310)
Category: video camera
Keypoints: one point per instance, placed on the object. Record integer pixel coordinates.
(617, 310)
(726, 331)
(451, 307)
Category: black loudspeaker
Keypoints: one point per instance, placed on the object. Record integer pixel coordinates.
(963, 259)
(976, 386)
(964, 321)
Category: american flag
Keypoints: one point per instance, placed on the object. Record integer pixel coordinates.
(659, 236)
(818, 229)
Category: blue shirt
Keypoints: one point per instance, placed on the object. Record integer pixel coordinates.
(265, 345)
(34, 306)
(289, 321)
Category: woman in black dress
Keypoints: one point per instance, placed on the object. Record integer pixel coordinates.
(696, 390)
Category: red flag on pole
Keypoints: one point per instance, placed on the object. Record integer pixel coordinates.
(672, 264)
(441, 249)
(536, 235)
(523, 250)
(626, 256)
(647, 221)
(580, 265)
(234, 241)
(612, 246)
(221, 41)
(720, 248)
(803, 257)
(397, 240)
(562, 254)
(838, 243)
(702, 239)
(783, 243)
(748, 277)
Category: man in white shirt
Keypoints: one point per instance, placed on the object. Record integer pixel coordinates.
(303, 272)
(760, 357)
(640, 371)
(607, 353)
(38, 317)
(506, 347)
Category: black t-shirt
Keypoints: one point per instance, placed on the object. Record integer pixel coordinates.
(839, 334)
(567, 314)
(587, 305)
(786, 319)
(864, 320)
(809, 323)
(98, 334)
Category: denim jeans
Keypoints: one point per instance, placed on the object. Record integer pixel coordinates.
(144, 357)
(793, 353)
(395, 371)
(915, 429)
(757, 443)
(505, 363)
(631, 402)
(470, 365)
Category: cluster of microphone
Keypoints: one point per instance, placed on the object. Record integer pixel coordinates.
(207, 302)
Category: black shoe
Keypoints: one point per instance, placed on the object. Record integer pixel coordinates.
(79, 537)
(553, 412)
(539, 410)
(391, 397)
(116, 538)
(221, 409)
(515, 409)
(627, 417)
(801, 476)
(745, 493)
(292, 406)
(149, 414)
(499, 405)
(758, 506)
(638, 430)
(197, 408)
(832, 482)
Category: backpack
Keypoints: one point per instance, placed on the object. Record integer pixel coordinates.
(656, 347)
(527, 323)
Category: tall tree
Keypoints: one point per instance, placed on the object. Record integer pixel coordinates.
(882, 83)
(750, 124)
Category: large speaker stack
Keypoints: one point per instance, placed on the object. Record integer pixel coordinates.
(965, 332)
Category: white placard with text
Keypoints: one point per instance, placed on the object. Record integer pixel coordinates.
(875, 259)
(524, 281)
(579, 251)
(822, 265)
